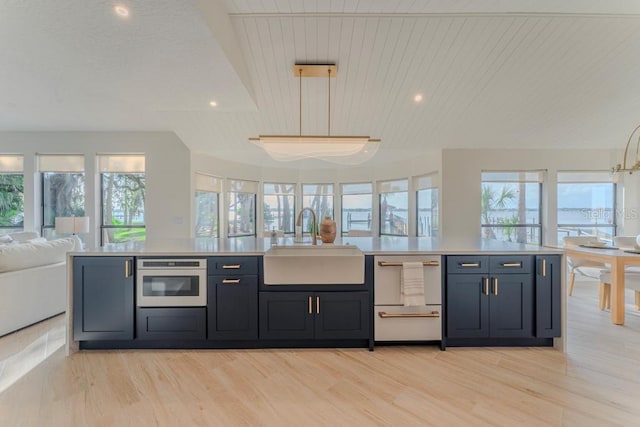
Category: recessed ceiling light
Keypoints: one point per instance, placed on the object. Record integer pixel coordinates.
(213, 103)
(122, 11)
(417, 98)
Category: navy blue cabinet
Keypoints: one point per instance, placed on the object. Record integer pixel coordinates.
(548, 296)
(232, 303)
(103, 298)
(314, 315)
(490, 296)
(232, 297)
(171, 323)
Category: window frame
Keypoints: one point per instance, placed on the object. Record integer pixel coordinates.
(104, 227)
(293, 206)
(529, 225)
(343, 231)
(405, 181)
(613, 226)
(6, 229)
(44, 226)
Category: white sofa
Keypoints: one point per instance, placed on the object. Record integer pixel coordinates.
(33, 282)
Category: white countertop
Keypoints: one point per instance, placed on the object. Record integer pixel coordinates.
(386, 245)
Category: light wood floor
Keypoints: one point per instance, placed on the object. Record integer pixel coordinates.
(597, 383)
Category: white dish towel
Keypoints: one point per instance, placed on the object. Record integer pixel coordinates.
(412, 284)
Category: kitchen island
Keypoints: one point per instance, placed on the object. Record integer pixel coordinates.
(479, 292)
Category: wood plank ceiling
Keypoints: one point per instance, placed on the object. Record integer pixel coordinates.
(517, 80)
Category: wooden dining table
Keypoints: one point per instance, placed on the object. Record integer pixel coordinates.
(618, 259)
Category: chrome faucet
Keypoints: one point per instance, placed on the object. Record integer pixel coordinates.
(314, 240)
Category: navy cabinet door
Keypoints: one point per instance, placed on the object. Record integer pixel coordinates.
(548, 296)
(286, 315)
(467, 306)
(511, 306)
(232, 302)
(341, 315)
(103, 292)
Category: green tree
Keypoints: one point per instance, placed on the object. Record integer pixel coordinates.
(11, 199)
(492, 200)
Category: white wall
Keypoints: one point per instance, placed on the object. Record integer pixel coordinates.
(461, 190)
(167, 205)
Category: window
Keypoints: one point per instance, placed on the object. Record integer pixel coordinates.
(242, 208)
(122, 183)
(394, 207)
(207, 199)
(511, 206)
(318, 197)
(62, 189)
(279, 208)
(586, 205)
(427, 194)
(357, 207)
(11, 193)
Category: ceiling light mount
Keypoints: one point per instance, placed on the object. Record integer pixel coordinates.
(347, 150)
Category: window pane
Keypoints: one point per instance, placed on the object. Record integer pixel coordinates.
(356, 212)
(318, 197)
(394, 209)
(511, 211)
(586, 209)
(427, 218)
(63, 195)
(279, 207)
(12, 201)
(123, 234)
(206, 214)
(123, 197)
(242, 214)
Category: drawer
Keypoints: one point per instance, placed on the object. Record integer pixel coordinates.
(238, 265)
(387, 279)
(171, 323)
(505, 264)
(394, 327)
(233, 280)
(471, 264)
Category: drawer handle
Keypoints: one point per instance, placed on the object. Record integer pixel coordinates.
(399, 264)
(231, 267)
(385, 315)
(512, 264)
(231, 281)
(470, 264)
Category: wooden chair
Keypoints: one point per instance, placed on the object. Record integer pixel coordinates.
(631, 275)
(576, 265)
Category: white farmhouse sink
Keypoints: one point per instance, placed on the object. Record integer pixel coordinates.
(314, 265)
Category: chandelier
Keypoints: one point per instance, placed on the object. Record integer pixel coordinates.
(636, 165)
(346, 150)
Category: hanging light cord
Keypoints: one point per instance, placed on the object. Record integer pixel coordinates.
(300, 73)
(329, 104)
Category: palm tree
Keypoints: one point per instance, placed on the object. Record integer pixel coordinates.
(492, 200)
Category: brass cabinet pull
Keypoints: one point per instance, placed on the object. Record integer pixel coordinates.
(127, 268)
(231, 267)
(512, 264)
(485, 285)
(309, 306)
(470, 264)
(231, 281)
(544, 267)
(385, 315)
(317, 305)
(399, 264)
(495, 286)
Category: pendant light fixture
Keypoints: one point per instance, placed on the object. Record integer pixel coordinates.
(346, 150)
